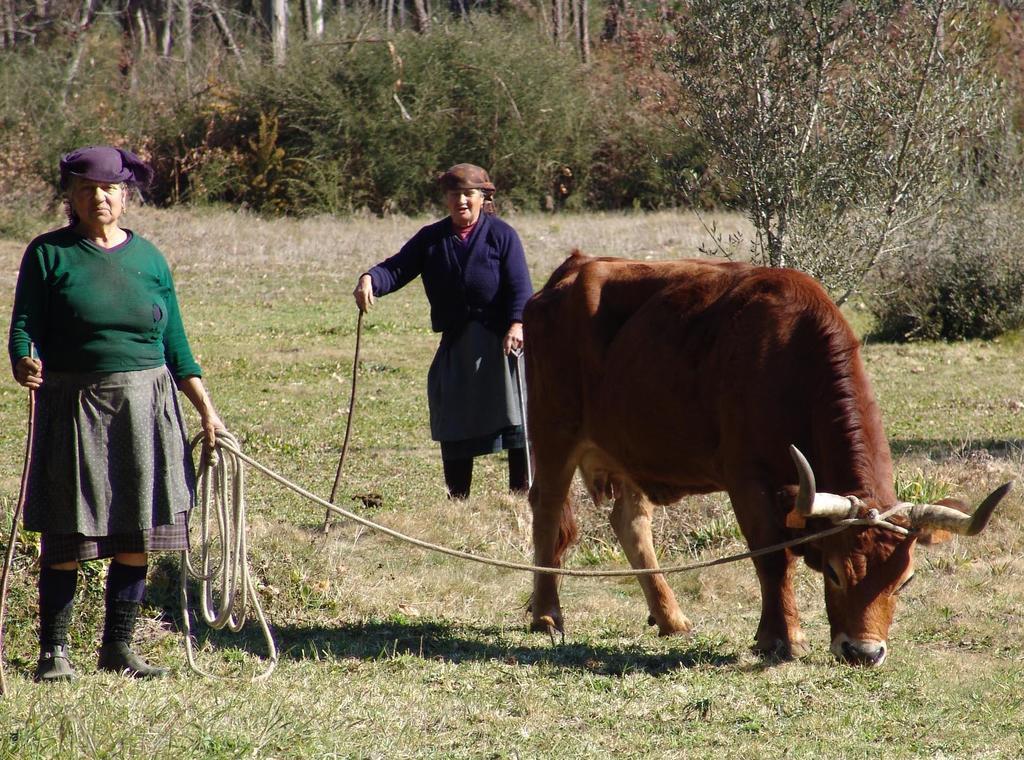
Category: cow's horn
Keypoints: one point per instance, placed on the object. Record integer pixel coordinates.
(810, 503)
(937, 516)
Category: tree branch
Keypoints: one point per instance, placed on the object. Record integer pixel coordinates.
(897, 192)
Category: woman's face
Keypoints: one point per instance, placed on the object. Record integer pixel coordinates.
(96, 204)
(464, 206)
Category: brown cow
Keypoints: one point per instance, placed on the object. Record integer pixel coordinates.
(660, 380)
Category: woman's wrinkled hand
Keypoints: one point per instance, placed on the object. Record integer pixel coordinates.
(364, 293)
(513, 342)
(29, 372)
(211, 424)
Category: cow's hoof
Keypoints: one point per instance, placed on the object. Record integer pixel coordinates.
(675, 630)
(547, 624)
(781, 650)
(676, 625)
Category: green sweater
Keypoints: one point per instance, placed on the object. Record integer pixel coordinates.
(91, 310)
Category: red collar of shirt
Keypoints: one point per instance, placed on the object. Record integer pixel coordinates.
(465, 232)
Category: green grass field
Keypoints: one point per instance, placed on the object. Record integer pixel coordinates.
(387, 651)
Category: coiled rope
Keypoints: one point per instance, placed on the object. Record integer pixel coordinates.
(223, 563)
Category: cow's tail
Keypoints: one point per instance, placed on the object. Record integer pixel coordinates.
(568, 528)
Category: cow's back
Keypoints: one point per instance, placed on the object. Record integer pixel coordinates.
(687, 374)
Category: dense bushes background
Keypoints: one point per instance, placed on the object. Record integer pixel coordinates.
(962, 280)
(363, 121)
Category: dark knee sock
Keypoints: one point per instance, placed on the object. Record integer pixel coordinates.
(458, 475)
(56, 603)
(518, 476)
(126, 588)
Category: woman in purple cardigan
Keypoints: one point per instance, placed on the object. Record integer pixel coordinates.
(476, 280)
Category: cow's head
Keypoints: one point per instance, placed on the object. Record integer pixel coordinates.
(869, 562)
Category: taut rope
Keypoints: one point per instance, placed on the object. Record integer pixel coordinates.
(878, 521)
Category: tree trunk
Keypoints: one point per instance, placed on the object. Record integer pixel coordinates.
(279, 30)
(9, 22)
(142, 25)
(558, 21)
(585, 30)
(612, 20)
(422, 16)
(318, 18)
(168, 25)
(186, 31)
(313, 17)
(76, 59)
(225, 33)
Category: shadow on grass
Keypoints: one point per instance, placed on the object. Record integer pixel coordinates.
(457, 643)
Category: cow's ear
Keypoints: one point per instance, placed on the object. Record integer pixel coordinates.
(938, 535)
(795, 520)
(785, 503)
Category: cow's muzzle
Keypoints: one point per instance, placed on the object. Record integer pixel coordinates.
(867, 653)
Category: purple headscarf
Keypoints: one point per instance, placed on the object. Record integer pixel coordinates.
(101, 163)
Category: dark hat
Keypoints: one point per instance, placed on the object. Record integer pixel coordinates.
(466, 177)
(101, 163)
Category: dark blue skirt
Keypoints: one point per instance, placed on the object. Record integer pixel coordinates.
(473, 394)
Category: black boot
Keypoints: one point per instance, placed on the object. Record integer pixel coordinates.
(55, 665)
(56, 604)
(118, 657)
(126, 588)
(458, 475)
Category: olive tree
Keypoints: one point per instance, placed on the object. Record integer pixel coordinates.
(843, 125)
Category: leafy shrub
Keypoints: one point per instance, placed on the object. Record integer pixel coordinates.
(126, 98)
(367, 124)
(968, 283)
(362, 120)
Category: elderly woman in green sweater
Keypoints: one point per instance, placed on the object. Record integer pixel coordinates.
(110, 472)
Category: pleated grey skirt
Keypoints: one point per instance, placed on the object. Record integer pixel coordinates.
(110, 468)
(472, 392)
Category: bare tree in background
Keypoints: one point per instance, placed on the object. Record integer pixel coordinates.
(278, 18)
(79, 26)
(844, 125)
(558, 21)
(313, 16)
(422, 16)
(580, 27)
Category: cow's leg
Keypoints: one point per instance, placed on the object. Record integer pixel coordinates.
(778, 633)
(554, 530)
(631, 520)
